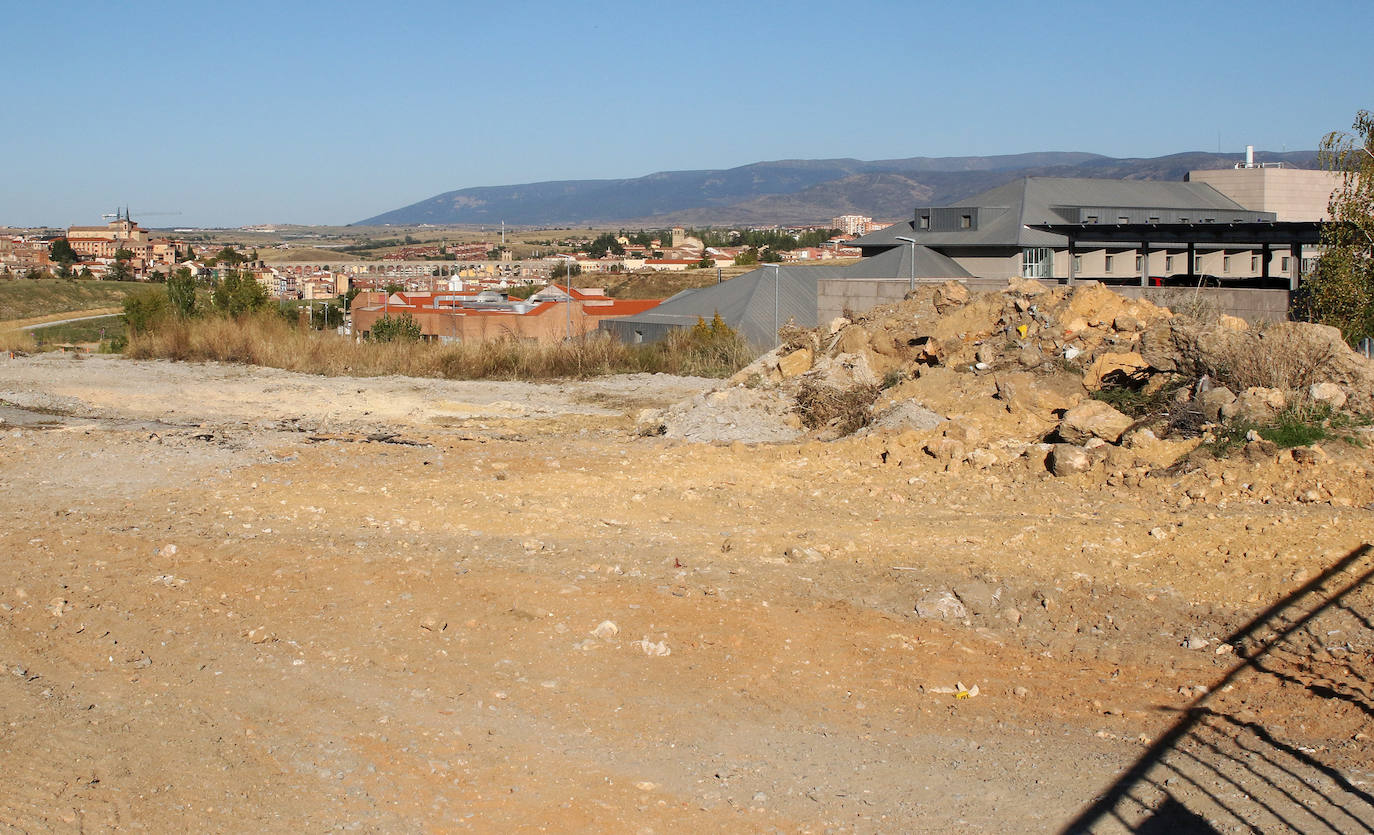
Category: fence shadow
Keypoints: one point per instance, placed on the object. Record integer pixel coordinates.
(1217, 770)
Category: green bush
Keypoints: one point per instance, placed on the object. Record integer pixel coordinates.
(145, 309)
(402, 328)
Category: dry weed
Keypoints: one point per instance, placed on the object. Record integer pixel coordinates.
(270, 341)
(17, 340)
(846, 410)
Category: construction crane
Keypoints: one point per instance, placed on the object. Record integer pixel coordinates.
(117, 214)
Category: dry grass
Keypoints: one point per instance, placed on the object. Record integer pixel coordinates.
(845, 410)
(15, 340)
(1281, 357)
(270, 341)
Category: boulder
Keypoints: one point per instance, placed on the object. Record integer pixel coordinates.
(1110, 366)
(1255, 404)
(1214, 401)
(796, 363)
(1067, 459)
(1328, 393)
(950, 294)
(941, 605)
(1093, 419)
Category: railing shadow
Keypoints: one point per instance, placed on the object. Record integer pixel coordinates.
(1215, 771)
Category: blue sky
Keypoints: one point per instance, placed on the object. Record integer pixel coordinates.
(314, 112)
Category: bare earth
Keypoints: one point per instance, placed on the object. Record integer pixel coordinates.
(239, 599)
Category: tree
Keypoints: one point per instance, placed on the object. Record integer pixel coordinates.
(346, 299)
(123, 254)
(64, 270)
(144, 308)
(1341, 290)
(402, 328)
(61, 251)
(747, 257)
(564, 268)
(393, 287)
(238, 293)
(181, 293)
(86, 274)
(120, 271)
(604, 243)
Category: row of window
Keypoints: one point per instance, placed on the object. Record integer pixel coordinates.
(1109, 264)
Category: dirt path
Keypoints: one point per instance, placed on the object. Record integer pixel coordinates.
(224, 608)
(58, 318)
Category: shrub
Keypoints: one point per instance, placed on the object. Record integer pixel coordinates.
(847, 410)
(145, 309)
(402, 328)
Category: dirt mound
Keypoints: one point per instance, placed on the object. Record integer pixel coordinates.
(1070, 379)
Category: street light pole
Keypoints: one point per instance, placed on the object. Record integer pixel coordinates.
(911, 244)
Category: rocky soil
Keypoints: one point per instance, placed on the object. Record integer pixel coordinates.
(238, 599)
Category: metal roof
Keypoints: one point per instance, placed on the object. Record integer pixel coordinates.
(1008, 216)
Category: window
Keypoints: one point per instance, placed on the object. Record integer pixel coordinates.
(1168, 263)
(1226, 263)
(1287, 264)
(1154, 218)
(1037, 262)
(1197, 264)
(1123, 219)
(1183, 220)
(1139, 262)
(924, 222)
(1254, 263)
(1078, 264)
(965, 221)
(1092, 218)
(1107, 263)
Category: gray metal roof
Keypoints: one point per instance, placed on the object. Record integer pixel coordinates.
(896, 263)
(745, 303)
(1004, 214)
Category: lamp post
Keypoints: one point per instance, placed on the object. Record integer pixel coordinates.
(911, 244)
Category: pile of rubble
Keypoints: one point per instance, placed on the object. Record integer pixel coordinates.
(1028, 372)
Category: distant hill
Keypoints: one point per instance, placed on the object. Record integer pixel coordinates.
(786, 191)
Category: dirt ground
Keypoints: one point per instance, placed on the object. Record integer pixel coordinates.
(239, 599)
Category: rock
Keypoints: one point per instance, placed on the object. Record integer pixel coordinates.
(978, 597)
(853, 339)
(799, 554)
(796, 363)
(1030, 358)
(1328, 393)
(1196, 642)
(1126, 323)
(606, 629)
(1067, 459)
(649, 422)
(168, 550)
(950, 294)
(941, 605)
(651, 648)
(1257, 404)
(1025, 286)
(985, 355)
(907, 414)
(1110, 367)
(1214, 401)
(1232, 323)
(837, 324)
(982, 458)
(1020, 692)
(1093, 419)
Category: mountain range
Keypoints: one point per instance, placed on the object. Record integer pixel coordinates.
(787, 191)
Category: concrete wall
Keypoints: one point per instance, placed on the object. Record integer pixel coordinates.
(1290, 193)
(835, 295)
